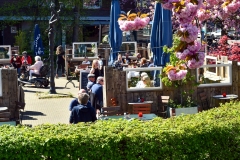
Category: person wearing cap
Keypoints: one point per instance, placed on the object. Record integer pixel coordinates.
(140, 83)
(26, 59)
(91, 80)
(16, 63)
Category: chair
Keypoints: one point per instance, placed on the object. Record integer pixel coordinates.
(162, 110)
(20, 106)
(110, 111)
(204, 100)
(4, 114)
(145, 109)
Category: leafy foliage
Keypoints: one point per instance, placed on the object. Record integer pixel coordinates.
(212, 134)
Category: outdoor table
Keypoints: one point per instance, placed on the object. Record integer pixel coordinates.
(2, 109)
(131, 116)
(228, 97)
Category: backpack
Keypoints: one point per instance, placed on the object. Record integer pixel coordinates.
(44, 70)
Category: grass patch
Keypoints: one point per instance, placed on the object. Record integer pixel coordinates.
(46, 95)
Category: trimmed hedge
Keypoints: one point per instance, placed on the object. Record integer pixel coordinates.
(213, 134)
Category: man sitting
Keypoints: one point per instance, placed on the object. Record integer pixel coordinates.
(82, 112)
(75, 102)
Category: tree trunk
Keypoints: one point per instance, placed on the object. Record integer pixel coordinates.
(75, 24)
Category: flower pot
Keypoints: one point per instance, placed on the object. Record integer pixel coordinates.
(179, 111)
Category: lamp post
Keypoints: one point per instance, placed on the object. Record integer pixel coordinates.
(51, 32)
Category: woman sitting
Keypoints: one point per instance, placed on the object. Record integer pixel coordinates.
(86, 61)
(146, 82)
(36, 67)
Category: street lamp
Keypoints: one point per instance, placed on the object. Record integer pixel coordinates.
(51, 32)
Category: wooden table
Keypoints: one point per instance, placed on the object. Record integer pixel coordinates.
(144, 107)
(145, 117)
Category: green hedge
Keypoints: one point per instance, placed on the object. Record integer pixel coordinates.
(213, 134)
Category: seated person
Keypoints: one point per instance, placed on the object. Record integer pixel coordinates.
(127, 60)
(146, 82)
(26, 59)
(118, 64)
(140, 83)
(86, 61)
(139, 56)
(75, 102)
(91, 80)
(36, 67)
(151, 64)
(143, 63)
(16, 63)
(82, 112)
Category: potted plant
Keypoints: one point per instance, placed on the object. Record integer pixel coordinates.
(178, 74)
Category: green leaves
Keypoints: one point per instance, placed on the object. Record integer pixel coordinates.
(212, 134)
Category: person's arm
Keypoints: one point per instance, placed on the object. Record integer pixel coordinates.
(92, 71)
(71, 119)
(93, 114)
(29, 59)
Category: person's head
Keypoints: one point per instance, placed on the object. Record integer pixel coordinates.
(119, 57)
(99, 56)
(143, 61)
(37, 58)
(59, 49)
(95, 63)
(100, 80)
(146, 80)
(91, 77)
(24, 53)
(86, 59)
(143, 74)
(81, 91)
(139, 56)
(83, 98)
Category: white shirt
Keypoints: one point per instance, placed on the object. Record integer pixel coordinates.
(100, 62)
(140, 84)
(36, 67)
(151, 65)
(84, 62)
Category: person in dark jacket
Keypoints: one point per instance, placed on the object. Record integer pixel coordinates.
(82, 112)
(60, 62)
(75, 102)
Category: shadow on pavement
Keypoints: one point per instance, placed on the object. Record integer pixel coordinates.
(26, 117)
(33, 113)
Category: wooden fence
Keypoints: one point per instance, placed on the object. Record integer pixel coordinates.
(115, 87)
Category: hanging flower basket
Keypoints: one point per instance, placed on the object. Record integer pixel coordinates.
(133, 21)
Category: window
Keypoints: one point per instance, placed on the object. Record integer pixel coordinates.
(142, 79)
(84, 49)
(92, 4)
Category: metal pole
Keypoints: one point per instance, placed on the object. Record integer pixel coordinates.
(51, 32)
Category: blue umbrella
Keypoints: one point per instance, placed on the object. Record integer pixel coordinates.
(115, 34)
(161, 34)
(38, 46)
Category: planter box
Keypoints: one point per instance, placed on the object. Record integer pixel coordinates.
(179, 111)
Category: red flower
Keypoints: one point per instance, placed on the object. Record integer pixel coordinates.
(140, 114)
(224, 94)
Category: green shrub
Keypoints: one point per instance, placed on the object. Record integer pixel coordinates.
(213, 134)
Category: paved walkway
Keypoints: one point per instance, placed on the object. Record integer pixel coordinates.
(52, 110)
